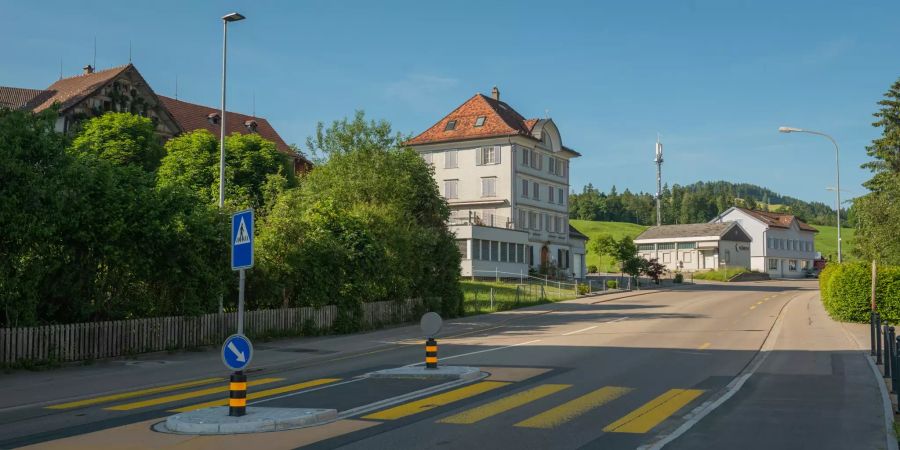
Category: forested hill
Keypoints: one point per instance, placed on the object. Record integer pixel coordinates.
(693, 203)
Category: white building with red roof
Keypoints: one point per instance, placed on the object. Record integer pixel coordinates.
(783, 245)
(506, 179)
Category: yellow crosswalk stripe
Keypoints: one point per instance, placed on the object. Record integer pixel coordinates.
(435, 401)
(574, 408)
(132, 394)
(652, 413)
(504, 404)
(184, 396)
(260, 394)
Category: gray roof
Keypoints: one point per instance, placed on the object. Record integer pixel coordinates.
(685, 231)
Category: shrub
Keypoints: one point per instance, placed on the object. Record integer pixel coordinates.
(612, 284)
(583, 289)
(846, 292)
(592, 269)
(679, 278)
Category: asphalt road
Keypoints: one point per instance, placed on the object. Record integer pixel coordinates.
(598, 372)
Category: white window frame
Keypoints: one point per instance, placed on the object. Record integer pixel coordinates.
(489, 155)
(523, 219)
(773, 264)
(455, 184)
(536, 190)
(561, 196)
(489, 181)
(525, 188)
(551, 164)
(550, 193)
(526, 157)
(451, 159)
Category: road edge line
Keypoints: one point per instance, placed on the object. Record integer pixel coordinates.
(731, 388)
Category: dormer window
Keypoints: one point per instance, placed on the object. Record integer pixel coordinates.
(479, 121)
(451, 125)
(213, 118)
(251, 125)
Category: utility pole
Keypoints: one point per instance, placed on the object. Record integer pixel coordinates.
(659, 162)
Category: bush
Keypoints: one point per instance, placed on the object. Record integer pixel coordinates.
(612, 284)
(679, 278)
(592, 269)
(846, 292)
(583, 289)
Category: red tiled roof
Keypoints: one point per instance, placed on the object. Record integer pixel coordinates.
(69, 91)
(500, 120)
(21, 98)
(191, 116)
(778, 220)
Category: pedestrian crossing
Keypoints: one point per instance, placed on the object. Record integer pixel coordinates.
(537, 407)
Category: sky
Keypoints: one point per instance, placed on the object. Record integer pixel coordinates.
(715, 79)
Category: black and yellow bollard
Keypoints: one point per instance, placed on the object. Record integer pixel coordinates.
(237, 400)
(430, 354)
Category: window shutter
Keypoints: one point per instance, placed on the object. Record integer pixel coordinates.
(479, 157)
(497, 154)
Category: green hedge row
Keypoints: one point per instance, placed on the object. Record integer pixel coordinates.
(846, 290)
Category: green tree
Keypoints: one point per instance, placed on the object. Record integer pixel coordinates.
(255, 172)
(120, 138)
(878, 212)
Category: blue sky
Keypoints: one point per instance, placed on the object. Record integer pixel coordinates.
(714, 78)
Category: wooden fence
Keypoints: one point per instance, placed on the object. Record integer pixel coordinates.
(95, 340)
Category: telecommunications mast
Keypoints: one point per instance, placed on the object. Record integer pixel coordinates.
(658, 161)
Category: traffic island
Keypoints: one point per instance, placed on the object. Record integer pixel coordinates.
(256, 420)
(425, 373)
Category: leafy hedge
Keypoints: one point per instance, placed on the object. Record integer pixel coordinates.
(846, 290)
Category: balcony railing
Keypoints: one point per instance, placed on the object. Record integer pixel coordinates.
(480, 219)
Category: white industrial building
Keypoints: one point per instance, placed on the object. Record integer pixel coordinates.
(783, 245)
(696, 247)
(506, 179)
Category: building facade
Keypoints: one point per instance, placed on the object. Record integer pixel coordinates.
(506, 179)
(783, 246)
(123, 89)
(696, 247)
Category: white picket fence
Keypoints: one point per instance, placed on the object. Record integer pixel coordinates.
(95, 340)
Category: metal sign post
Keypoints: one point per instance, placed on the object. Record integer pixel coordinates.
(238, 350)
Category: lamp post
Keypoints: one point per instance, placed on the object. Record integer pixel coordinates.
(837, 175)
(233, 17)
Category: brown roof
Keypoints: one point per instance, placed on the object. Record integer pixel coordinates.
(21, 98)
(191, 116)
(778, 220)
(69, 91)
(500, 120)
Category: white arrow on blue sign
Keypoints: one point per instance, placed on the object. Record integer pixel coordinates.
(242, 240)
(237, 351)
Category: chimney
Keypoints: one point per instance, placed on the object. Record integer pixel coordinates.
(88, 69)
(495, 93)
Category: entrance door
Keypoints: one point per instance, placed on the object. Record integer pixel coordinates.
(545, 256)
(709, 260)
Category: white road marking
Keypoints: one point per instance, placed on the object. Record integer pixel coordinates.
(579, 331)
(475, 353)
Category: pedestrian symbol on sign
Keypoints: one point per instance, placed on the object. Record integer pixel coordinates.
(242, 236)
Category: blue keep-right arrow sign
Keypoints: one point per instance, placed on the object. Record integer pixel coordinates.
(237, 351)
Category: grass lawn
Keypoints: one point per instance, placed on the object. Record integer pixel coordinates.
(826, 241)
(719, 275)
(617, 230)
(477, 295)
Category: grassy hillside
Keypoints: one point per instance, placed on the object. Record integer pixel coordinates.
(826, 241)
(618, 230)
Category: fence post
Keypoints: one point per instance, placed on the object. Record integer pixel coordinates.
(872, 332)
(497, 274)
(888, 360)
(492, 299)
(878, 339)
(576, 287)
(521, 276)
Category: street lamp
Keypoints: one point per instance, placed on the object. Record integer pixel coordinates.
(837, 164)
(233, 17)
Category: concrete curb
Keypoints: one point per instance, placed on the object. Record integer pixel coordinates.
(257, 420)
(423, 373)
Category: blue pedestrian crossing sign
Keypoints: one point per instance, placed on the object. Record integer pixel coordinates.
(237, 352)
(242, 240)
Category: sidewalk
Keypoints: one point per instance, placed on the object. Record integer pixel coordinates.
(24, 388)
(813, 389)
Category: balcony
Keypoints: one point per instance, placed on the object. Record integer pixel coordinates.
(458, 218)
